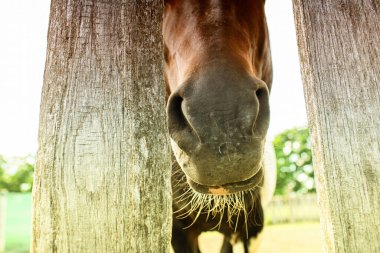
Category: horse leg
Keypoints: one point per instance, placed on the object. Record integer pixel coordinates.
(226, 247)
(183, 241)
(255, 229)
(252, 245)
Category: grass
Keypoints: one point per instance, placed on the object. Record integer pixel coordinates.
(292, 238)
(18, 220)
(284, 238)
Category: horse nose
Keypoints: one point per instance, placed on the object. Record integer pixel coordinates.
(202, 112)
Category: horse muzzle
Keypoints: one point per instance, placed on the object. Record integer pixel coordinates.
(217, 123)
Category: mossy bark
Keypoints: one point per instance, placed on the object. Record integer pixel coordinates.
(340, 58)
(102, 179)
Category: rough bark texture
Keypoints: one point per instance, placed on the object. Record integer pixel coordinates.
(102, 181)
(340, 57)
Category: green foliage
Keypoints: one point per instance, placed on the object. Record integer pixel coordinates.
(294, 162)
(16, 175)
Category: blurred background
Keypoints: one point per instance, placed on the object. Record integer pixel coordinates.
(292, 218)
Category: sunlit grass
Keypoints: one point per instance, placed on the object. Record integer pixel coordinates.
(284, 238)
(18, 220)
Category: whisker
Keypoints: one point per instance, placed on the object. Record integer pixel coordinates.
(226, 207)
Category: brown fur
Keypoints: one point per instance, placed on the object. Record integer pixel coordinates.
(218, 75)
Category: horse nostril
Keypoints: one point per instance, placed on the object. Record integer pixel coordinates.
(259, 93)
(180, 129)
(176, 119)
(262, 120)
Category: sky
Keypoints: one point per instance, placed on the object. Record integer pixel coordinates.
(23, 27)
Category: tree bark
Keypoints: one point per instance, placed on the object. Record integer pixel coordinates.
(102, 179)
(340, 58)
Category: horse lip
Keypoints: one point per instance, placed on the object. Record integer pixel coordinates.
(228, 188)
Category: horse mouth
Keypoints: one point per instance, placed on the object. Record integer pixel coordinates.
(229, 188)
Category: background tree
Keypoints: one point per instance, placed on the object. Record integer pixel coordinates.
(2, 172)
(16, 175)
(294, 162)
(22, 179)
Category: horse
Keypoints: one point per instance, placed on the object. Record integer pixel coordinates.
(218, 76)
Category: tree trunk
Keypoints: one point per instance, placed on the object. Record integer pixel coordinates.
(102, 179)
(340, 58)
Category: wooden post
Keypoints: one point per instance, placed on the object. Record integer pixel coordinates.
(340, 59)
(102, 179)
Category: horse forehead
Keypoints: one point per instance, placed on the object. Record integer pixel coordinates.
(194, 24)
(200, 31)
(209, 11)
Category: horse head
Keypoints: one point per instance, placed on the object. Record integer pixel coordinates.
(218, 75)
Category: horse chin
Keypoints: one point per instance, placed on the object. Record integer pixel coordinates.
(252, 183)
